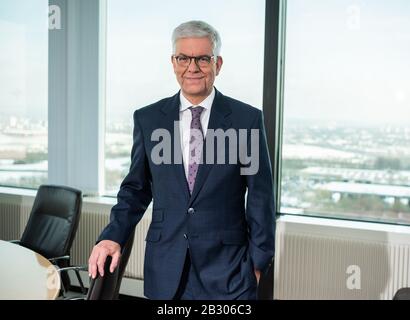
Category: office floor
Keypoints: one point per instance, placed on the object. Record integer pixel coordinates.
(75, 293)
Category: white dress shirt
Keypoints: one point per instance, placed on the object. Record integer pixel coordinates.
(185, 117)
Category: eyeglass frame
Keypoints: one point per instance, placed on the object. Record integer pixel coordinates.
(196, 59)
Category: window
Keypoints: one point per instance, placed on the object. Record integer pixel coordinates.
(137, 30)
(23, 92)
(346, 139)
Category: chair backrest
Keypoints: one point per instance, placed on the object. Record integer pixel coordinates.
(108, 287)
(402, 294)
(53, 221)
(103, 288)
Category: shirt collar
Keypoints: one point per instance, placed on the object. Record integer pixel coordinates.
(207, 103)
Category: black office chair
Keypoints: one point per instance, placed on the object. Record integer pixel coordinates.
(52, 225)
(108, 287)
(402, 294)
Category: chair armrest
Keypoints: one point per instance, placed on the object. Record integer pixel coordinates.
(59, 258)
(77, 270)
(74, 268)
(15, 241)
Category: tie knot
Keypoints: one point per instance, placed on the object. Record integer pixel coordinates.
(196, 112)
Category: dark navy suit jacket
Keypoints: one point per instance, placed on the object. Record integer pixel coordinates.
(228, 221)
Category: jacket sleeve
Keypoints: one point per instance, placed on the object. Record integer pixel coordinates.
(135, 193)
(260, 208)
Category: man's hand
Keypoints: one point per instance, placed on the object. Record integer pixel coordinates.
(257, 275)
(100, 253)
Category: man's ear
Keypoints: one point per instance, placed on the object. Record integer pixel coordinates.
(173, 63)
(219, 64)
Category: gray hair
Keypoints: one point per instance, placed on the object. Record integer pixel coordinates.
(197, 29)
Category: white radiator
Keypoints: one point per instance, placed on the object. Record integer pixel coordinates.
(330, 262)
(13, 219)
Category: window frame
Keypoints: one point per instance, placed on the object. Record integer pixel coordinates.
(77, 96)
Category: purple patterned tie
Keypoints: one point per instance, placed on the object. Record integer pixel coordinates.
(196, 142)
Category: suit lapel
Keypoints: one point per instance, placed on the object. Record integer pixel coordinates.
(171, 116)
(219, 119)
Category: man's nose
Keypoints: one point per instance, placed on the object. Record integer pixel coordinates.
(193, 67)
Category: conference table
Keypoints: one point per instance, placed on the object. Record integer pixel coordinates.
(26, 275)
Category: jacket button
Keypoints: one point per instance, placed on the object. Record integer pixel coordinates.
(191, 210)
(185, 236)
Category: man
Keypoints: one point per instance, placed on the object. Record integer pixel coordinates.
(204, 241)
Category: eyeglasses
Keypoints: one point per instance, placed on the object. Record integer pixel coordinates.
(200, 61)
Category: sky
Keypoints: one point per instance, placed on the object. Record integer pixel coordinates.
(345, 59)
(348, 60)
(23, 58)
